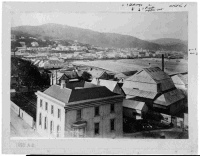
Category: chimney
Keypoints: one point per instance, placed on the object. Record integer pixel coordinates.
(98, 81)
(163, 62)
(62, 84)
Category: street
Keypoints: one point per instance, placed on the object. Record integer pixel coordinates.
(19, 128)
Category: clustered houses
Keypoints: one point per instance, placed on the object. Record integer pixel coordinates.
(156, 89)
(75, 108)
(86, 111)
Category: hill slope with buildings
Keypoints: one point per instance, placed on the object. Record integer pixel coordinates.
(64, 32)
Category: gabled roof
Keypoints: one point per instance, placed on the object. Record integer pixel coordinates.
(60, 94)
(139, 93)
(184, 78)
(169, 98)
(129, 73)
(133, 104)
(153, 75)
(107, 83)
(156, 73)
(96, 73)
(67, 95)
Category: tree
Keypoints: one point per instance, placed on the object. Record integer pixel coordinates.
(86, 76)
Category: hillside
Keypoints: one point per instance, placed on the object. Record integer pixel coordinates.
(64, 32)
(171, 44)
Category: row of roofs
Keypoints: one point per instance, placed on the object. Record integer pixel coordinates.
(153, 86)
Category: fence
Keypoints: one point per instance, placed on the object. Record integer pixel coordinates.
(14, 107)
(26, 117)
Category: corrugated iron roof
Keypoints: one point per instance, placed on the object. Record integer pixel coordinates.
(156, 73)
(138, 105)
(96, 73)
(184, 78)
(169, 98)
(107, 83)
(139, 93)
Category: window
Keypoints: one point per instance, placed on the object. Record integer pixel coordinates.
(96, 128)
(58, 113)
(45, 123)
(51, 109)
(46, 106)
(40, 119)
(40, 102)
(78, 115)
(51, 127)
(112, 108)
(112, 124)
(58, 131)
(96, 111)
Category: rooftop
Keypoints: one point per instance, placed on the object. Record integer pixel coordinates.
(67, 95)
(169, 98)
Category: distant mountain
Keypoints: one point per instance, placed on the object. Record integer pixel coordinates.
(86, 36)
(172, 44)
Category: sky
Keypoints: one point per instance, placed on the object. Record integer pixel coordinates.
(146, 26)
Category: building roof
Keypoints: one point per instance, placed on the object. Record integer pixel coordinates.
(156, 73)
(67, 95)
(137, 105)
(120, 76)
(96, 73)
(129, 73)
(139, 93)
(56, 92)
(54, 62)
(153, 75)
(107, 83)
(184, 78)
(169, 98)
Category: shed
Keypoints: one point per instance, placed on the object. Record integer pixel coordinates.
(134, 109)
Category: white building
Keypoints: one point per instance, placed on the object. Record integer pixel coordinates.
(50, 116)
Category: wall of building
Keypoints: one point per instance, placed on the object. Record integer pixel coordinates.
(141, 86)
(88, 114)
(50, 117)
(128, 112)
(176, 107)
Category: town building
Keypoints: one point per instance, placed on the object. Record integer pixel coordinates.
(111, 85)
(181, 81)
(79, 112)
(154, 87)
(67, 76)
(53, 64)
(98, 73)
(134, 109)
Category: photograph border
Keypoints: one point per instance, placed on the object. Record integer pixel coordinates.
(98, 146)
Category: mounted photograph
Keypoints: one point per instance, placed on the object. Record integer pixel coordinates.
(79, 71)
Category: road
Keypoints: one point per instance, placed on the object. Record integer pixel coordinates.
(19, 128)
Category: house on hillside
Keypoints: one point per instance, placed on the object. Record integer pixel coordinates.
(53, 64)
(111, 85)
(67, 76)
(134, 109)
(79, 112)
(156, 89)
